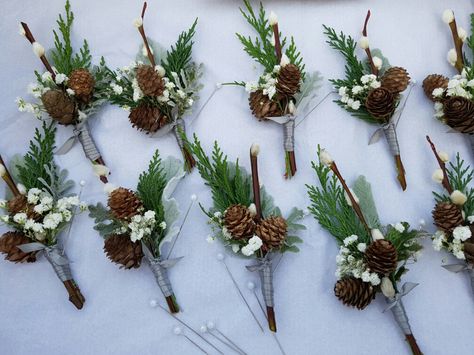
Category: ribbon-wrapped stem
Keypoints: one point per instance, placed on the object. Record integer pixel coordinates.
(180, 132)
(289, 145)
(400, 315)
(392, 140)
(81, 131)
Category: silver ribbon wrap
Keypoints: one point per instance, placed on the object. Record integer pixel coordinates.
(160, 270)
(391, 136)
(81, 133)
(265, 271)
(462, 268)
(178, 130)
(288, 123)
(395, 304)
(54, 255)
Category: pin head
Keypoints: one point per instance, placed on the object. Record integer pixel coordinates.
(203, 329)
(153, 303)
(177, 330)
(210, 325)
(220, 256)
(250, 285)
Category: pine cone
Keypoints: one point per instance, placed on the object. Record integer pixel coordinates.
(354, 292)
(272, 232)
(469, 249)
(124, 203)
(9, 243)
(381, 257)
(121, 250)
(432, 82)
(19, 204)
(380, 103)
(288, 80)
(459, 114)
(149, 81)
(262, 107)
(59, 106)
(395, 79)
(147, 118)
(447, 216)
(82, 82)
(239, 222)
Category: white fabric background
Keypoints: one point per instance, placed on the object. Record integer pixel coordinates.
(35, 315)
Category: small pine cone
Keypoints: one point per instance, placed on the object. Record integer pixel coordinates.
(395, 79)
(82, 82)
(59, 106)
(262, 107)
(121, 250)
(147, 118)
(149, 81)
(354, 292)
(432, 82)
(272, 231)
(381, 257)
(239, 222)
(19, 204)
(459, 114)
(380, 103)
(447, 216)
(288, 80)
(9, 243)
(124, 203)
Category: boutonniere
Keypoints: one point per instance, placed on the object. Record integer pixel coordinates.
(160, 88)
(71, 90)
(284, 89)
(39, 208)
(245, 218)
(453, 98)
(371, 90)
(139, 223)
(453, 214)
(372, 257)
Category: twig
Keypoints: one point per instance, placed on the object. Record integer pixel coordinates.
(442, 165)
(254, 150)
(9, 179)
(374, 69)
(276, 34)
(141, 29)
(457, 45)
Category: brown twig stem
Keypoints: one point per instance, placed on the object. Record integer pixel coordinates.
(255, 183)
(276, 34)
(457, 46)
(9, 179)
(29, 36)
(355, 205)
(413, 344)
(373, 68)
(442, 165)
(401, 172)
(141, 29)
(75, 295)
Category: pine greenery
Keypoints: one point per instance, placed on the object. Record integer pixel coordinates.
(64, 58)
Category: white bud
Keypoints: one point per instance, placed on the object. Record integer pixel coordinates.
(108, 188)
(462, 34)
(325, 158)
(387, 288)
(3, 171)
(21, 31)
(377, 62)
(284, 60)
(443, 156)
(376, 234)
(255, 149)
(452, 56)
(145, 51)
(138, 22)
(21, 188)
(272, 19)
(348, 200)
(438, 176)
(38, 49)
(100, 170)
(448, 16)
(364, 42)
(458, 198)
(160, 70)
(252, 210)
(291, 108)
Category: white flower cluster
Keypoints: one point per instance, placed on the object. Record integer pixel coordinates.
(353, 96)
(55, 214)
(254, 244)
(267, 83)
(142, 225)
(456, 245)
(352, 264)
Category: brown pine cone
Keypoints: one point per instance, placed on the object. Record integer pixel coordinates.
(121, 250)
(459, 114)
(59, 106)
(354, 292)
(147, 118)
(239, 222)
(149, 81)
(124, 203)
(432, 82)
(272, 231)
(381, 257)
(395, 79)
(447, 216)
(469, 248)
(288, 80)
(9, 243)
(82, 82)
(19, 204)
(380, 103)
(262, 107)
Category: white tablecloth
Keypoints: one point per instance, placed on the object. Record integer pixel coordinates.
(35, 315)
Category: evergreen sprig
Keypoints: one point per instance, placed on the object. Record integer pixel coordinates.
(63, 55)
(470, 41)
(179, 57)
